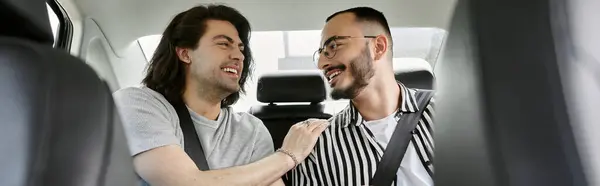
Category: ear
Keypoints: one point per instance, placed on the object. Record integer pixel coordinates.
(381, 46)
(183, 54)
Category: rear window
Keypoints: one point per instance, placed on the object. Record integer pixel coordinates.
(293, 50)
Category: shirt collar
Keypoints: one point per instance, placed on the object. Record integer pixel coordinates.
(350, 115)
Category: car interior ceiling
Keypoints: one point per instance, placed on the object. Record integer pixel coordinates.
(60, 126)
(121, 28)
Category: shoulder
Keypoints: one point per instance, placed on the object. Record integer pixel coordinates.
(246, 120)
(342, 117)
(415, 90)
(148, 119)
(429, 111)
(131, 94)
(132, 101)
(433, 93)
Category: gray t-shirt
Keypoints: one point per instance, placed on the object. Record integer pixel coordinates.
(150, 121)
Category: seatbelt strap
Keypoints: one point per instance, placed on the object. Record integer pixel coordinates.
(393, 154)
(192, 145)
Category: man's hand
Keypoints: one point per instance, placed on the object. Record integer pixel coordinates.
(302, 137)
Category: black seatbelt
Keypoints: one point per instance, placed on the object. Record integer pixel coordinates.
(192, 145)
(393, 154)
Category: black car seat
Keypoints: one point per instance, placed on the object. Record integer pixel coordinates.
(292, 96)
(415, 73)
(501, 115)
(59, 124)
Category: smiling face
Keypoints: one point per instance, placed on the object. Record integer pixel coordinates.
(217, 61)
(346, 61)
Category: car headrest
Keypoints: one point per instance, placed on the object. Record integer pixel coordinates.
(291, 86)
(55, 110)
(26, 19)
(414, 73)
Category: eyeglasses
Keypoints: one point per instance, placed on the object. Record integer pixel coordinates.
(329, 48)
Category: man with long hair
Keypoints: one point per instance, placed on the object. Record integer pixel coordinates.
(203, 61)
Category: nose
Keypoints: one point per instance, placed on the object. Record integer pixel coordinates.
(237, 55)
(323, 62)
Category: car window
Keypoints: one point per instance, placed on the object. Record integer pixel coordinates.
(293, 50)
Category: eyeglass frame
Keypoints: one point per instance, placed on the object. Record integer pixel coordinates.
(333, 39)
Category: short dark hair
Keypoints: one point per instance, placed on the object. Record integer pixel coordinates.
(367, 14)
(166, 72)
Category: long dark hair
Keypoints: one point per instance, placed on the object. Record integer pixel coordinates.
(166, 73)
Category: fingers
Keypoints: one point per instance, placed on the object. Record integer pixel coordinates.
(318, 130)
(299, 125)
(322, 127)
(304, 123)
(302, 136)
(313, 119)
(313, 124)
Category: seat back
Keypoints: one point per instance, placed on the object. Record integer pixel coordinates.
(414, 73)
(59, 123)
(501, 116)
(292, 96)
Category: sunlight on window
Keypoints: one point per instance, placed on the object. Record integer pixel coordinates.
(417, 42)
(412, 48)
(303, 43)
(149, 44)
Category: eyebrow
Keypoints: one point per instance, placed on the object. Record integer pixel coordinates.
(329, 40)
(332, 38)
(229, 39)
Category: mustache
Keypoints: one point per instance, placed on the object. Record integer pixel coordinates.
(340, 67)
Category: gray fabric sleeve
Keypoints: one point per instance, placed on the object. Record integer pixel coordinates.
(146, 120)
(263, 143)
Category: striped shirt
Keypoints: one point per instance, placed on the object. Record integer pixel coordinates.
(347, 153)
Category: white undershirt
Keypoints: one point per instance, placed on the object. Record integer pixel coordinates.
(411, 171)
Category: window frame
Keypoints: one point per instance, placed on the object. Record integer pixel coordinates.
(64, 35)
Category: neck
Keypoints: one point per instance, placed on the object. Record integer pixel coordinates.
(378, 99)
(204, 102)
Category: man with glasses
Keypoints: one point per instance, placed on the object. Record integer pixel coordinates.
(384, 118)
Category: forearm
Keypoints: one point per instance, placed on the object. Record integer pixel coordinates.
(263, 172)
(170, 165)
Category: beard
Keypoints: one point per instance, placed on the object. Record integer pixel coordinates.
(361, 68)
(212, 87)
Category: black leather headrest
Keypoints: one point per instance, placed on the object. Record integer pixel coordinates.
(266, 112)
(414, 73)
(291, 86)
(26, 19)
